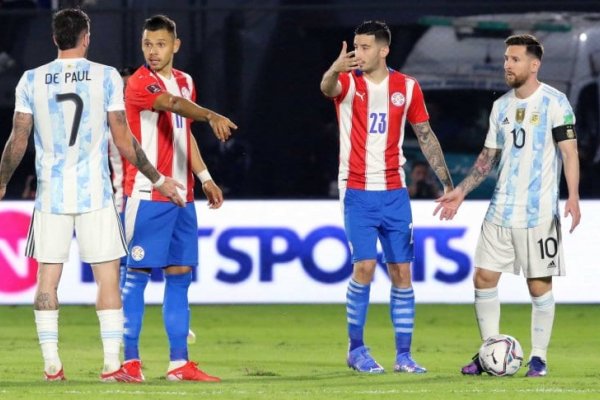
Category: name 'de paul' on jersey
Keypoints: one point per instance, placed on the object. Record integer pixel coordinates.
(68, 77)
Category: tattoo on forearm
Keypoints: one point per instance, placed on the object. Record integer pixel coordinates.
(485, 163)
(44, 301)
(142, 163)
(16, 146)
(430, 146)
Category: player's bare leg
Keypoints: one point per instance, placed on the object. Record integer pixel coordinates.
(46, 318)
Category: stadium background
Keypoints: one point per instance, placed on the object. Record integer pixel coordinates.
(260, 62)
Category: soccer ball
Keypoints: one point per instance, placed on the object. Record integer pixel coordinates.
(501, 355)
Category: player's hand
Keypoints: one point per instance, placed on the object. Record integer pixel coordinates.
(213, 194)
(221, 126)
(449, 204)
(346, 61)
(169, 190)
(572, 207)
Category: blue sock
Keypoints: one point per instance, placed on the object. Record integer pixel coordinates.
(122, 276)
(133, 310)
(402, 312)
(357, 302)
(176, 314)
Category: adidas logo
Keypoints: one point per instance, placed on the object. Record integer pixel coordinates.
(506, 121)
(552, 264)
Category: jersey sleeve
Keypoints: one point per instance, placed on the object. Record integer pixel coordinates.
(344, 81)
(562, 113)
(114, 91)
(142, 92)
(493, 139)
(417, 112)
(22, 94)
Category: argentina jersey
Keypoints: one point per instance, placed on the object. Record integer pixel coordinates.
(69, 100)
(526, 193)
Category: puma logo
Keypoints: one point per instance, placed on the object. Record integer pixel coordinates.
(361, 95)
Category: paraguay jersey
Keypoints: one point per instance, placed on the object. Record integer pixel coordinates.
(69, 99)
(164, 136)
(526, 193)
(371, 120)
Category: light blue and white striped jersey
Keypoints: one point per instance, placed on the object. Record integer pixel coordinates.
(69, 99)
(526, 193)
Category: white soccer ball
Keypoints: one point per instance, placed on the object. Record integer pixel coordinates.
(501, 355)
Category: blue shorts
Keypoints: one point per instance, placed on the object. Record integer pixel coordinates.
(160, 234)
(383, 214)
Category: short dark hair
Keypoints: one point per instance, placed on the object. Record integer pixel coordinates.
(127, 71)
(158, 22)
(377, 28)
(533, 46)
(67, 27)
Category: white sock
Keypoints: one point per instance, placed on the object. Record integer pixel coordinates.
(46, 323)
(111, 331)
(542, 318)
(487, 310)
(176, 364)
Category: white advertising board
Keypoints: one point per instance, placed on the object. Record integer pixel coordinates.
(296, 252)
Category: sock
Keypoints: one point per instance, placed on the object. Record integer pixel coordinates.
(542, 318)
(176, 314)
(487, 311)
(122, 276)
(46, 323)
(133, 309)
(402, 312)
(357, 302)
(111, 332)
(176, 364)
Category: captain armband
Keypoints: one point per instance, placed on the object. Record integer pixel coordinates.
(564, 132)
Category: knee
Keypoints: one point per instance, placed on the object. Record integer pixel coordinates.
(484, 279)
(363, 271)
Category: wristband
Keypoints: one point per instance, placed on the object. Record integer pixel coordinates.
(159, 182)
(204, 176)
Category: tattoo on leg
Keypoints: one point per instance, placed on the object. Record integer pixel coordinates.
(45, 302)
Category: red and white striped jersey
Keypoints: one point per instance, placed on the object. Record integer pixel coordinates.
(164, 136)
(371, 121)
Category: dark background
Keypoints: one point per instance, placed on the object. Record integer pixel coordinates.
(258, 62)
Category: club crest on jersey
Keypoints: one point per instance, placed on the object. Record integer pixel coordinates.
(397, 99)
(520, 115)
(185, 93)
(137, 253)
(535, 119)
(153, 88)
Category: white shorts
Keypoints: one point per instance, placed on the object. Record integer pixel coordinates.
(537, 251)
(99, 236)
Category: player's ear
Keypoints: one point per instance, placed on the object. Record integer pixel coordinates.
(535, 65)
(176, 45)
(384, 51)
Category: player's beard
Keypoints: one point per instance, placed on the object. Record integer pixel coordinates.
(516, 81)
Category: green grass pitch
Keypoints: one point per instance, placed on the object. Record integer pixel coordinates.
(298, 352)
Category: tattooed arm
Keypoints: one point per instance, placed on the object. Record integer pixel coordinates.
(485, 163)
(15, 148)
(130, 148)
(430, 146)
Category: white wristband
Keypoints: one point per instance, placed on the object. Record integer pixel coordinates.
(159, 182)
(204, 176)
